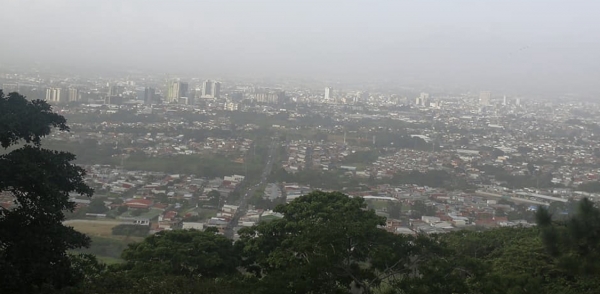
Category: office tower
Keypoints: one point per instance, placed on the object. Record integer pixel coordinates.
(270, 96)
(211, 89)
(504, 101)
(485, 98)
(217, 90)
(183, 89)
(115, 90)
(149, 94)
(424, 99)
(53, 95)
(73, 94)
(173, 92)
(518, 101)
(328, 93)
(206, 89)
(177, 90)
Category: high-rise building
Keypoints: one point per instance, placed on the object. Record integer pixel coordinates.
(53, 95)
(504, 101)
(485, 98)
(73, 94)
(115, 90)
(211, 89)
(424, 99)
(328, 93)
(270, 96)
(518, 102)
(149, 95)
(177, 90)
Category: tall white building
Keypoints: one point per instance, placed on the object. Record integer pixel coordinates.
(53, 95)
(504, 101)
(423, 99)
(485, 98)
(177, 90)
(328, 93)
(73, 94)
(211, 89)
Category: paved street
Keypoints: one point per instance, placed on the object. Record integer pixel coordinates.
(251, 189)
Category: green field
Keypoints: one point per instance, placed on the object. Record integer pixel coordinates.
(105, 246)
(151, 214)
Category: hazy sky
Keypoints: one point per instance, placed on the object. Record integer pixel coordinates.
(446, 41)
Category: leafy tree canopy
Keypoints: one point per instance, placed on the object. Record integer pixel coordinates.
(33, 241)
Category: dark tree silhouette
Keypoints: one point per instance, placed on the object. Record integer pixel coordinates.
(33, 240)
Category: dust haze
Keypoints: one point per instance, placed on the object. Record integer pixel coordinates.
(525, 45)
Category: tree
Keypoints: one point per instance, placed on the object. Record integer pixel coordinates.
(419, 209)
(122, 209)
(575, 243)
(97, 206)
(183, 252)
(214, 197)
(33, 240)
(394, 209)
(325, 243)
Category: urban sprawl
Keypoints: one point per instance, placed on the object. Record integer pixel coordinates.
(176, 153)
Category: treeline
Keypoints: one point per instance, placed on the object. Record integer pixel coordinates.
(329, 243)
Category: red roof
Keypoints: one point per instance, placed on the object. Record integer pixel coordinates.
(139, 203)
(160, 205)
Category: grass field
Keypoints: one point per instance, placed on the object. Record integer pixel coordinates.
(109, 260)
(94, 229)
(151, 214)
(106, 247)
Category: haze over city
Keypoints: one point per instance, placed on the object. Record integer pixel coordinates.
(534, 46)
(291, 147)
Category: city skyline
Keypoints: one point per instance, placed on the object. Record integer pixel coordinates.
(522, 46)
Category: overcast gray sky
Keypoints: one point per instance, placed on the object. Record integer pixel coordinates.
(445, 41)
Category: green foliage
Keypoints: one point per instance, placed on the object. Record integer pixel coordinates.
(131, 230)
(122, 209)
(325, 243)
(419, 209)
(214, 197)
(25, 120)
(575, 243)
(205, 166)
(97, 206)
(331, 243)
(394, 209)
(185, 253)
(33, 241)
(120, 282)
(105, 247)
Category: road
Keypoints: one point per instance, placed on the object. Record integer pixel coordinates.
(250, 189)
(513, 199)
(94, 221)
